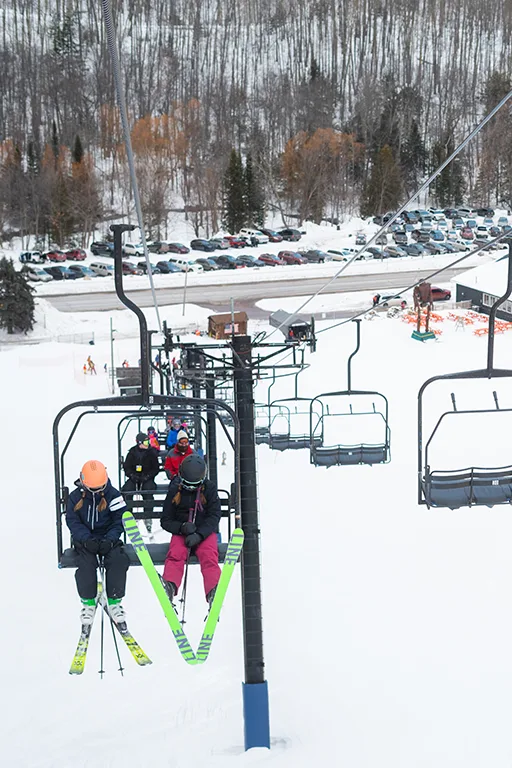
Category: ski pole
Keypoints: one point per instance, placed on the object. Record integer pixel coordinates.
(192, 518)
(103, 593)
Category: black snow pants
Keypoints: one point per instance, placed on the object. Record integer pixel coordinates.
(116, 565)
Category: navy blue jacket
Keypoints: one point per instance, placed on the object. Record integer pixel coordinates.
(173, 516)
(88, 523)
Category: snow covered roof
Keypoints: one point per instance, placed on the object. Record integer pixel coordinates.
(489, 278)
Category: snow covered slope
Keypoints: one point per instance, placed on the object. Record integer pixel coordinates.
(387, 627)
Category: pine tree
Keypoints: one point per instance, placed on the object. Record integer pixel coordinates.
(383, 190)
(449, 186)
(235, 197)
(55, 141)
(78, 150)
(413, 156)
(254, 195)
(16, 299)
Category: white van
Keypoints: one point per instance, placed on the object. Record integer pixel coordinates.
(186, 265)
(258, 236)
(102, 269)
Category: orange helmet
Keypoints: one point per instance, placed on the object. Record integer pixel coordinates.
(94, 475)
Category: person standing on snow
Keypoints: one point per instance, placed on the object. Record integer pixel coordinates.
(141, 467)
(94, 517)
(177, 454)
(192, 513)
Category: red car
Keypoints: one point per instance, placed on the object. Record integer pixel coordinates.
(467, 233)
(273, 236)
(56, 256)
(76, 254)
(271, 259)
(177, 248)
(235, 241)
(291, 257)
(440, 294)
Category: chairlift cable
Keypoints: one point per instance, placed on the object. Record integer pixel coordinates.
(416, 194)
(121, 100)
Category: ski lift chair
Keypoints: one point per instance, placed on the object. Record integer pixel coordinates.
(474, 485)
(325, 455)
(292, 410)
(261, 424)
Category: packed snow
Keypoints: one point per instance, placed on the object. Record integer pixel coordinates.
(387, 630)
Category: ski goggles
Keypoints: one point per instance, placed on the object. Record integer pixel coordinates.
(94, 490)
(191, 486)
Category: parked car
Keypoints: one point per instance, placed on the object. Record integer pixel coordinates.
(421, 235)
(255, 235)
(167, 267)
(494, 231)
(76, 254)
(506, 228)
(344, 255)
(292, 257)
(102, 269)
(226, 261)
(410, 217)
(482, 233)
(100, 248)
(466, 233)
(220, 243)
(502, 221)
(186, 264)
(451, 213)
(177, 248)
(316, 256)
(157, 246)
(484, 212)
(56, 255)
(131, 269)
(361, 238)
(142, 265)
(235, 241)
(452, 234)
(440, 294)
(459, 246)
(471, 223)
(33, 257)
(442, 224)
(382, 239)
(38, 275)
(437, 235)
(400, 237)
(446, 247)
(293, 235)
(465, 212)
(62, 273)
(202, 245)
(394, 251)
(273, 236)
(457, 223)
(488, 222)
(248, 260)
(209, 265)
(392, 300)
(270, 259)
(54, 272)
(414, 249)
(432, 248)
(132, 249)
(82, 270)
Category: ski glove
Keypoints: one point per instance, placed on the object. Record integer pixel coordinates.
(105, 545)
(188, 528)
(193, 539)
(92, 546)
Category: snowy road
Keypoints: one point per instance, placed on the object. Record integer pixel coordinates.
(220, 295)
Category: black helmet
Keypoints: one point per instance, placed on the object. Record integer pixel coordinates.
(141, 437)
(192, 471)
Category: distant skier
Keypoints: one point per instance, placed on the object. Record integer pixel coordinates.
(141, 467)
(376, 299)
(85, 368)
(192, 513)
(172, 436)
(92, 366)
(94, 517)
(177, 454)
(105, 369)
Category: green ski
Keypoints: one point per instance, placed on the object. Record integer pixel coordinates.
(78, 663)
(132, 529)
(235, 545)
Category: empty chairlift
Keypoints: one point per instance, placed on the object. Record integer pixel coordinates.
(471, 485)
(350, 426)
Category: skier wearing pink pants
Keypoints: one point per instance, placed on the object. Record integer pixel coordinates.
(191, 513)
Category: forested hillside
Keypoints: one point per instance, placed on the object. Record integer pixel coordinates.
(342, 105)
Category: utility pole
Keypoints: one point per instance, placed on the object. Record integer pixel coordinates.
(255, 687)
(112, 355)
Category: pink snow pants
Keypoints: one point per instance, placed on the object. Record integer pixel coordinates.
(207, 553)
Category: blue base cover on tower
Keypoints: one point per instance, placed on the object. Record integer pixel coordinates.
(256, 715)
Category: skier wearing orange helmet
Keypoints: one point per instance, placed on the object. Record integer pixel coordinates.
(94, 517)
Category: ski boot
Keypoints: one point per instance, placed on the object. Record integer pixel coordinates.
(87, 612)
(116, 611)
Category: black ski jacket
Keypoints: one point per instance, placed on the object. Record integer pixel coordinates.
(207, 520)
(141, 464)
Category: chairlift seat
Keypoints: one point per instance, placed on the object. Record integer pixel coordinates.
(469, 487)
(292, 442)
(261, 435)
(349, 455)
(158, 554)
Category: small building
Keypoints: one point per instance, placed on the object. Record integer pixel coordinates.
(129, 381)
(483, 285)
(223, 326)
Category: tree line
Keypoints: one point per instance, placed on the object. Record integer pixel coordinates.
(341, 106)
